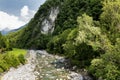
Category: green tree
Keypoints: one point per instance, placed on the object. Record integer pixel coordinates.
(2, 41)
(86, 42)
(55, 44)
(110, 19)
(107, 65)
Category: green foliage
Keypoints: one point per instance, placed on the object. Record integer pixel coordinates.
(11, 59)
(86, 43)
(39, 42)
(21, 58)
(13, 36)
(90, 34)
(110, 19)
(55, 44)
(92, 42)
(107, 67)
(31, 36)
(2, 41)
(71, 9)
(69, 45)
(80, 44)
(4, 44)
(17, 52)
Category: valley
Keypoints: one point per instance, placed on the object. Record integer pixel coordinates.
(82, 38)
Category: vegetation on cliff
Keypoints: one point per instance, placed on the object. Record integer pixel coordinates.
(85, 31)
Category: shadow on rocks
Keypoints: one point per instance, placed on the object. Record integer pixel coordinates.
(65, 63)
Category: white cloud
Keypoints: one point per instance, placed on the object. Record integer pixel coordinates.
(9, 21)
(14, 22)
(24, 11)
(26, 14)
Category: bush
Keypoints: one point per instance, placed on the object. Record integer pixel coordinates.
(1, 70)
(11, 59)
(85, 42)
(55, 44)
(21, 58)
(108, 65)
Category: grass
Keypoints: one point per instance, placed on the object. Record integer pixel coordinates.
(12, 59)
(17, 52)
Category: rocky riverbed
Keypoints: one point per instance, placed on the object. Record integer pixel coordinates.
(43, 66)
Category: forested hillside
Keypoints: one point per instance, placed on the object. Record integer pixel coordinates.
(85, 31)
(9, 57)
(68, 10)
(4, 44)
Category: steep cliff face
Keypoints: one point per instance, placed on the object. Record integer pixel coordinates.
(48, 24)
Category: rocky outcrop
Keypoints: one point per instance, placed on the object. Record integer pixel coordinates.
(48, 24)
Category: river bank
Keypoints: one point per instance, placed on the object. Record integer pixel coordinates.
(43, 66)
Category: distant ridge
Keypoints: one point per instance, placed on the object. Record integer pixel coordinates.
(7, 30)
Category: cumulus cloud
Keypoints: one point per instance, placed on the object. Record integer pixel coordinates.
(24, 11)
(14, 22)
(9, 21)
(26, 14)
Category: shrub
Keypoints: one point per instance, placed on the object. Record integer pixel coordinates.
(21, 58)
(11, 59)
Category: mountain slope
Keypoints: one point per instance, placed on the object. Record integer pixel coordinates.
(52, 18)
(85, 31)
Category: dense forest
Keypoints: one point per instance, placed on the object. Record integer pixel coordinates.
(85, 31)
(9, 57)
(4, 44)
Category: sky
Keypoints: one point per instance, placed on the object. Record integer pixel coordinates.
(16, 13)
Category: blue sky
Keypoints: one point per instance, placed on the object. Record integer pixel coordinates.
(15, 13)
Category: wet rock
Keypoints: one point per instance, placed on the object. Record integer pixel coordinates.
(87, 78)
(75, 76)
